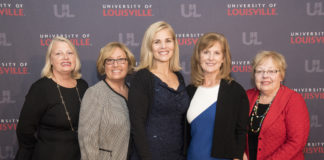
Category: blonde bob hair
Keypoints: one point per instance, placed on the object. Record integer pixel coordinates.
(47, 70)
(146, 58)
(207, 41)
(278, 60)
(108, 50)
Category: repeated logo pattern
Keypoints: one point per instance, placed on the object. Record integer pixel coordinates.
(293, 28)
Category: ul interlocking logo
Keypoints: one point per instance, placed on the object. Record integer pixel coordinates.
(314, 122)
(252, 39)
(6, 97)
(313, 66)
(315, 10)
(7, 152)
(63, 12)
(189, 11)
(3, 40)
(128, 39)
(185, 68)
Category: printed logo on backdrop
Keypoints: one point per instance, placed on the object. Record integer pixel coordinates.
(78, 39)
(313, 66)
(314, 148)
(128, 39)
(315, 9)
(252, 9)
(7, 152)
(250, 38)
(4, 41)
(186, 66)
(310, 93)
(127, 8)
(300, 38)
(5, 97)
(314, 122)
(188, 39)
(189, 11)
(8, 124)
(62, 11)
(13, 68)
(11, 9)
(241, 66)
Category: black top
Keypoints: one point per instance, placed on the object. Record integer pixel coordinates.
(231, 120)
(155, 110)
(253, 137)
(43, 130)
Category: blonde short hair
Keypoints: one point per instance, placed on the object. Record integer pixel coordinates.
(207, 41)
(108, 50)
(278, 59)
(47, 70)
(146, 58)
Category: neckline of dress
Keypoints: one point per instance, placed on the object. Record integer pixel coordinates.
(166, 85)
(63, 86)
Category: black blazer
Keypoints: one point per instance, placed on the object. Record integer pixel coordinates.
(232, 115)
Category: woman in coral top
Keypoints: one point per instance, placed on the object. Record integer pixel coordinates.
(279, 119)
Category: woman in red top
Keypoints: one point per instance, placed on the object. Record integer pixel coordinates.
(279, 119)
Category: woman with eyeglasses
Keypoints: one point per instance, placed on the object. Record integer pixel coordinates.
(279, 119)
(158, 99)
(104, 126)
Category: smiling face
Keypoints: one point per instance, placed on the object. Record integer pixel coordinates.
(117, 68)
(63, 59)
(211, 59)
(267, 77)
(162, 46)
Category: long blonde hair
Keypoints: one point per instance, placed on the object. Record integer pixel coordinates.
(146, 58)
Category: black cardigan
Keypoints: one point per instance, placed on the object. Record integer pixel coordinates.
(232, 115)
(140, 98)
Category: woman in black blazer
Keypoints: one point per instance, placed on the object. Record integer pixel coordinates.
(218, 112)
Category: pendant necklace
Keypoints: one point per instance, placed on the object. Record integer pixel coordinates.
(65, 108)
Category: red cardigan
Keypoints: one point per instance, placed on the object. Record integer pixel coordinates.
(285, 129)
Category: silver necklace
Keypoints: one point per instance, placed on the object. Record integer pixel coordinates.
(66, 111)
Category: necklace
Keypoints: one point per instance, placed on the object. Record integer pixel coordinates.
(66, 111)
(255, 114)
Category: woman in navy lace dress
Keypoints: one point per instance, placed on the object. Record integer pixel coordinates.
(158, 99)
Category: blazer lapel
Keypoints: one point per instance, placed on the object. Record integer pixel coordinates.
(252, 99)
(278, 104)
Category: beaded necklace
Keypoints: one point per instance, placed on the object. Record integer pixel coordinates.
(66, 111)
(255, 114)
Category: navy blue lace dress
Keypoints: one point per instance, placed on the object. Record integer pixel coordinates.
(165, 127)
(158, 116)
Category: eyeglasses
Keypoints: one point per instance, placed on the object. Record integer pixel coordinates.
(269, 72)
(110, 61)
